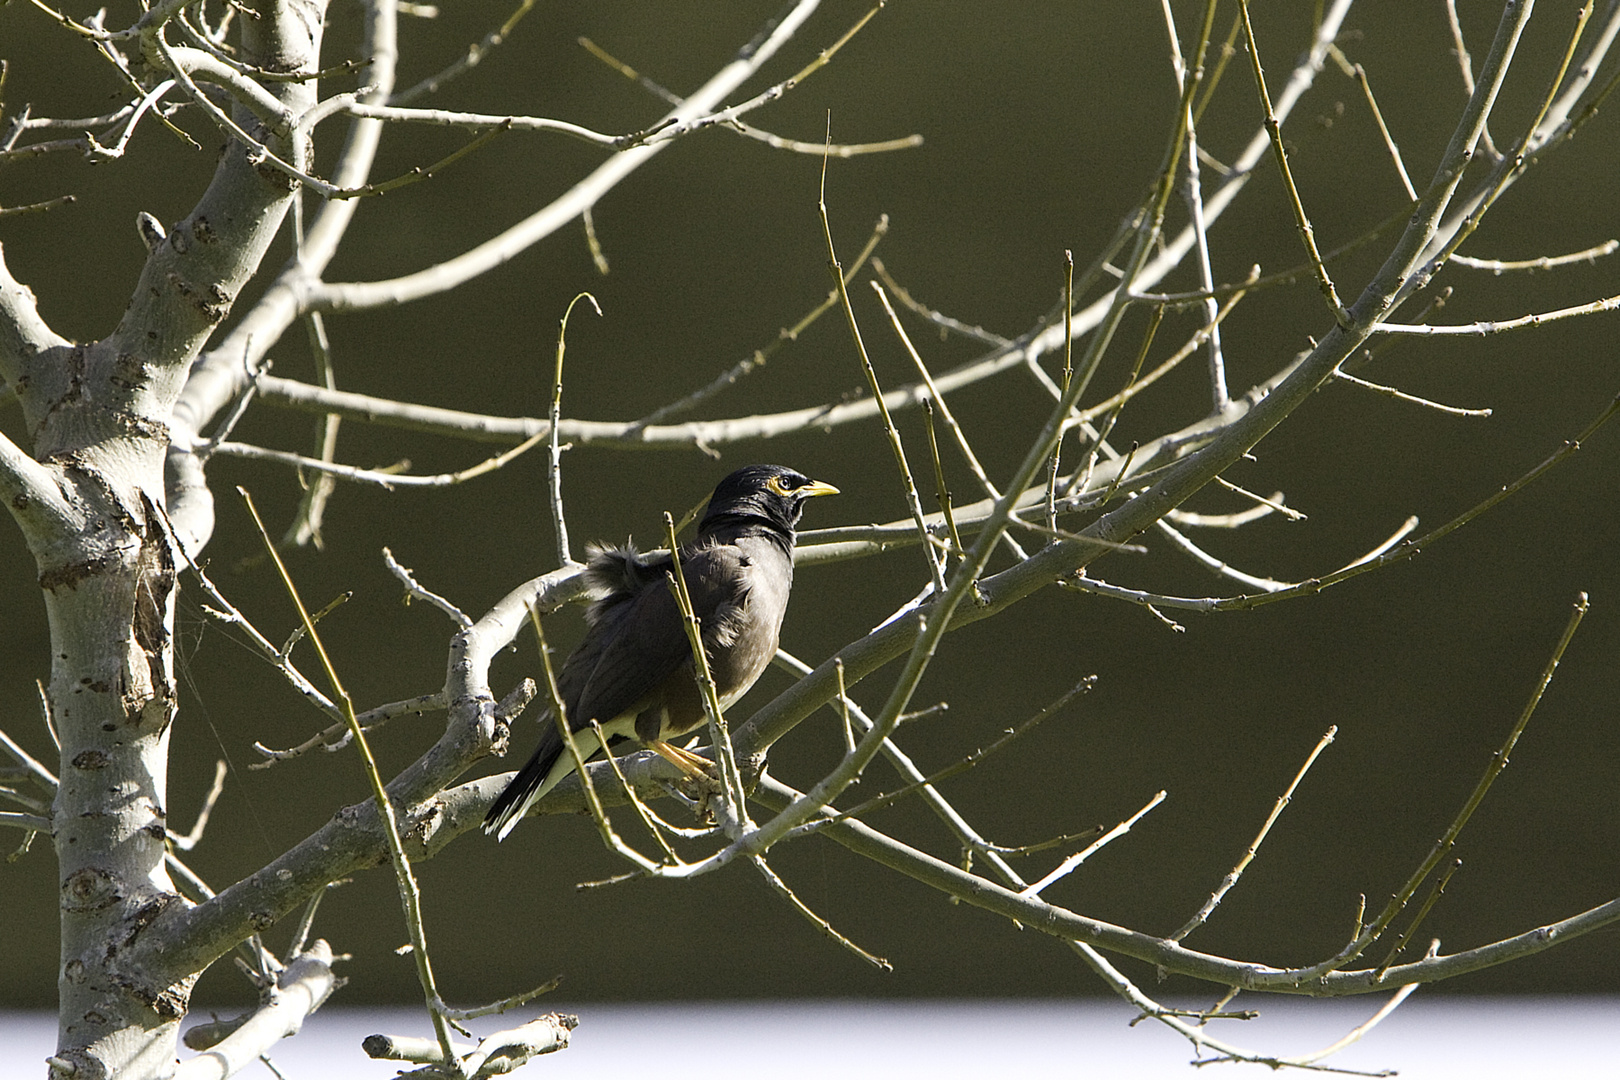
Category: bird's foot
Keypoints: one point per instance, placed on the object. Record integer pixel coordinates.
(693, 765)
(701, 777)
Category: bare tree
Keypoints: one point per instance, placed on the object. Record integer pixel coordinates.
(112, 493)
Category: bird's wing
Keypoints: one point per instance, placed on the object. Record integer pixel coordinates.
(722, 580)
(740, 591)
(627, 651)
(617, 574)
(636, 642)
(631, 648)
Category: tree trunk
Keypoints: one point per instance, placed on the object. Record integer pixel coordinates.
(91, 506)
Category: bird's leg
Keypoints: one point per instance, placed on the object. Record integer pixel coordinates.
(700, 774)
(693, 765)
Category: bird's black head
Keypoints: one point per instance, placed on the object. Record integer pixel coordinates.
(766, 498)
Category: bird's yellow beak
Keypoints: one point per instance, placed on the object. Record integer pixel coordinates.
(816, 487)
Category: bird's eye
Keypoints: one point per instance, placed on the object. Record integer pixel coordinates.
(780, 485)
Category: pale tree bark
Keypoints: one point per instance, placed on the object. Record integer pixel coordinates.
(90, 501)
(112, 494)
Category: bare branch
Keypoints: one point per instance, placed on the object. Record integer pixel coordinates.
(1478, 329)
(1545, 262)
(1170, 956)
(1301, 221)
(1202, 915)
(1072, 863)
(190, 839)
(413, 588)
(298, 991)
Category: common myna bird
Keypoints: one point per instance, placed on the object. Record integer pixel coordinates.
(633, 673)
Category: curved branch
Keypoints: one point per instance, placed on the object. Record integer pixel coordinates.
(219, 376)
(1060, 922)
(298, 290)
(300, 989)
(24, 334)
(181, 942)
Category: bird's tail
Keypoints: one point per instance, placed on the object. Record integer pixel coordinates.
(548, 767)
(526, 788)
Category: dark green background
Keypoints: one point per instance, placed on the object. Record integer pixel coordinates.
(1044, 123)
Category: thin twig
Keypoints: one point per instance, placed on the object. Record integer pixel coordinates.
(758, 358)
(1309, 587)
(1082, 476)
(1224, 569)
(1360, 1030)
(936, 400)
(41, 774)
(503, 1004)
(1435, 892)
(1466, 64)
(844, 705)
(942, 493)
(1545, 262)
(410, 897)
(1301, 221)
(1359, 73)
(190, 839)
(967, 836)
(1477, 329)
(1236, 872)
(1067, 866)
(205, 449)
(936, 566)
(838, 150)
(467, 61)
(306, 921)
(1219, 397)
(938, 318)
(719, 730)
(34, 823)
(781, 888)
(675, 129)
(651, 820)
(587, 218)
(337, 736)
(305, 527)
(559, 716)
(559, 524)
(1169, 363)
(920, 783)
(383, 478)
(1448, 838)
(416, 589)
(1511, 165)
(1401, 395)
(1068, 376)
(1274, 503)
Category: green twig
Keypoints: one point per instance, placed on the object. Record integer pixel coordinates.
(1448, 838)
(719, 731)
(936, 401)
(783, 890)
(1301, 221)
(759, 357)
(1435, 892)
(559, 524)
(942, 494)
(1231, 878)
(559, 714)
(410, 898)
(936, 566)
(1083, 476)
(1068, 376)
(1514, 163)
